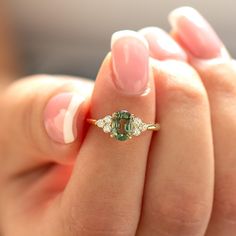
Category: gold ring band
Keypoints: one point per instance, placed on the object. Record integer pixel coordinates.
(123, 125)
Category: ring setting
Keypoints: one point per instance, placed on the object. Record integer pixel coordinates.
(123, 125)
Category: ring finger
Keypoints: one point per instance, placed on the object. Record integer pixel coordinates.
(104, 194)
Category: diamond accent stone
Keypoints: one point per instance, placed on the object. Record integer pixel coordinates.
(138, 126)
(107, 119)
(144, 127)
(136, 132)
(107, 128)
(137, 121)
(100, 123)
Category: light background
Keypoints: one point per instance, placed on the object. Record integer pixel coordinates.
(73, 36)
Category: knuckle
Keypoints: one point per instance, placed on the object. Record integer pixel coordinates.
(180, 93)
(99, 224)
(184, 212)
(180, 83)
(221, 78)
(182, 215)
(225, 203)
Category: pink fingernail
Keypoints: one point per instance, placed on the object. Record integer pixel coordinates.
(196, 34)
(60, 117)
(130, 61)
(161, 45)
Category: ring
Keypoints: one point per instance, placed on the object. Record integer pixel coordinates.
(123, 125)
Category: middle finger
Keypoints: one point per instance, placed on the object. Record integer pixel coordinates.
(179, 185)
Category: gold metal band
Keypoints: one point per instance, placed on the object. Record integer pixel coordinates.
(153, 127)
(91, 121)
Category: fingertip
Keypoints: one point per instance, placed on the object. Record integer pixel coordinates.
(161, 45)
(60, 117)
(196, 34)
(127, 34)
(179, 12)
(130, 62)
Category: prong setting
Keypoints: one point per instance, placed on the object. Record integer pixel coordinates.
(123, 125)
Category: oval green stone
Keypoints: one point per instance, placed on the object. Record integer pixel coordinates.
(121, 126)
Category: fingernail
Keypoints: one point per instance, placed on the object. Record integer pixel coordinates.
(196, 34)
(130, 61)
(161, 45)
(60, 117)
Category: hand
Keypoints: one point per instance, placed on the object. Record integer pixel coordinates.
(103, 194)
(181, 210)
(151, 185)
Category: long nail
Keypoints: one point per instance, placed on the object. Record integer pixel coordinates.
(60, 117)
(196, 34)
(161, 45)
(130, 62)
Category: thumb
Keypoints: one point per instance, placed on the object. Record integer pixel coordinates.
(41, 118)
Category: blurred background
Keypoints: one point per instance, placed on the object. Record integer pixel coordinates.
(73, 36)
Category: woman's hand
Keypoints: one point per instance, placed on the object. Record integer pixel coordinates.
(59, 177)
(96, 186)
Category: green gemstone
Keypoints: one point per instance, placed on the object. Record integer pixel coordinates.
(121, 125)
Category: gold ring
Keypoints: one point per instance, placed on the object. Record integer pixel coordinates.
(123, 125)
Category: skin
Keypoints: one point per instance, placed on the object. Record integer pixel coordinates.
(160, 184)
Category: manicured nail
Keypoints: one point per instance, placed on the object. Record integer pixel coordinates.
(196, 34)
(130, 61)
(161, 45)
(60, 117)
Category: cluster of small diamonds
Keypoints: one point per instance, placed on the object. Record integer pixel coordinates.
(105, 124)
(138, 126)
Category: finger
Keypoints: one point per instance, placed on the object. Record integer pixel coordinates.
(218, 73)
(34, 112)
(179, 184)
(196, 35)
(161, 45)
(105, 191)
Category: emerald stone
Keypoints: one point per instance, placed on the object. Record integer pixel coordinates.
(121, 125)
